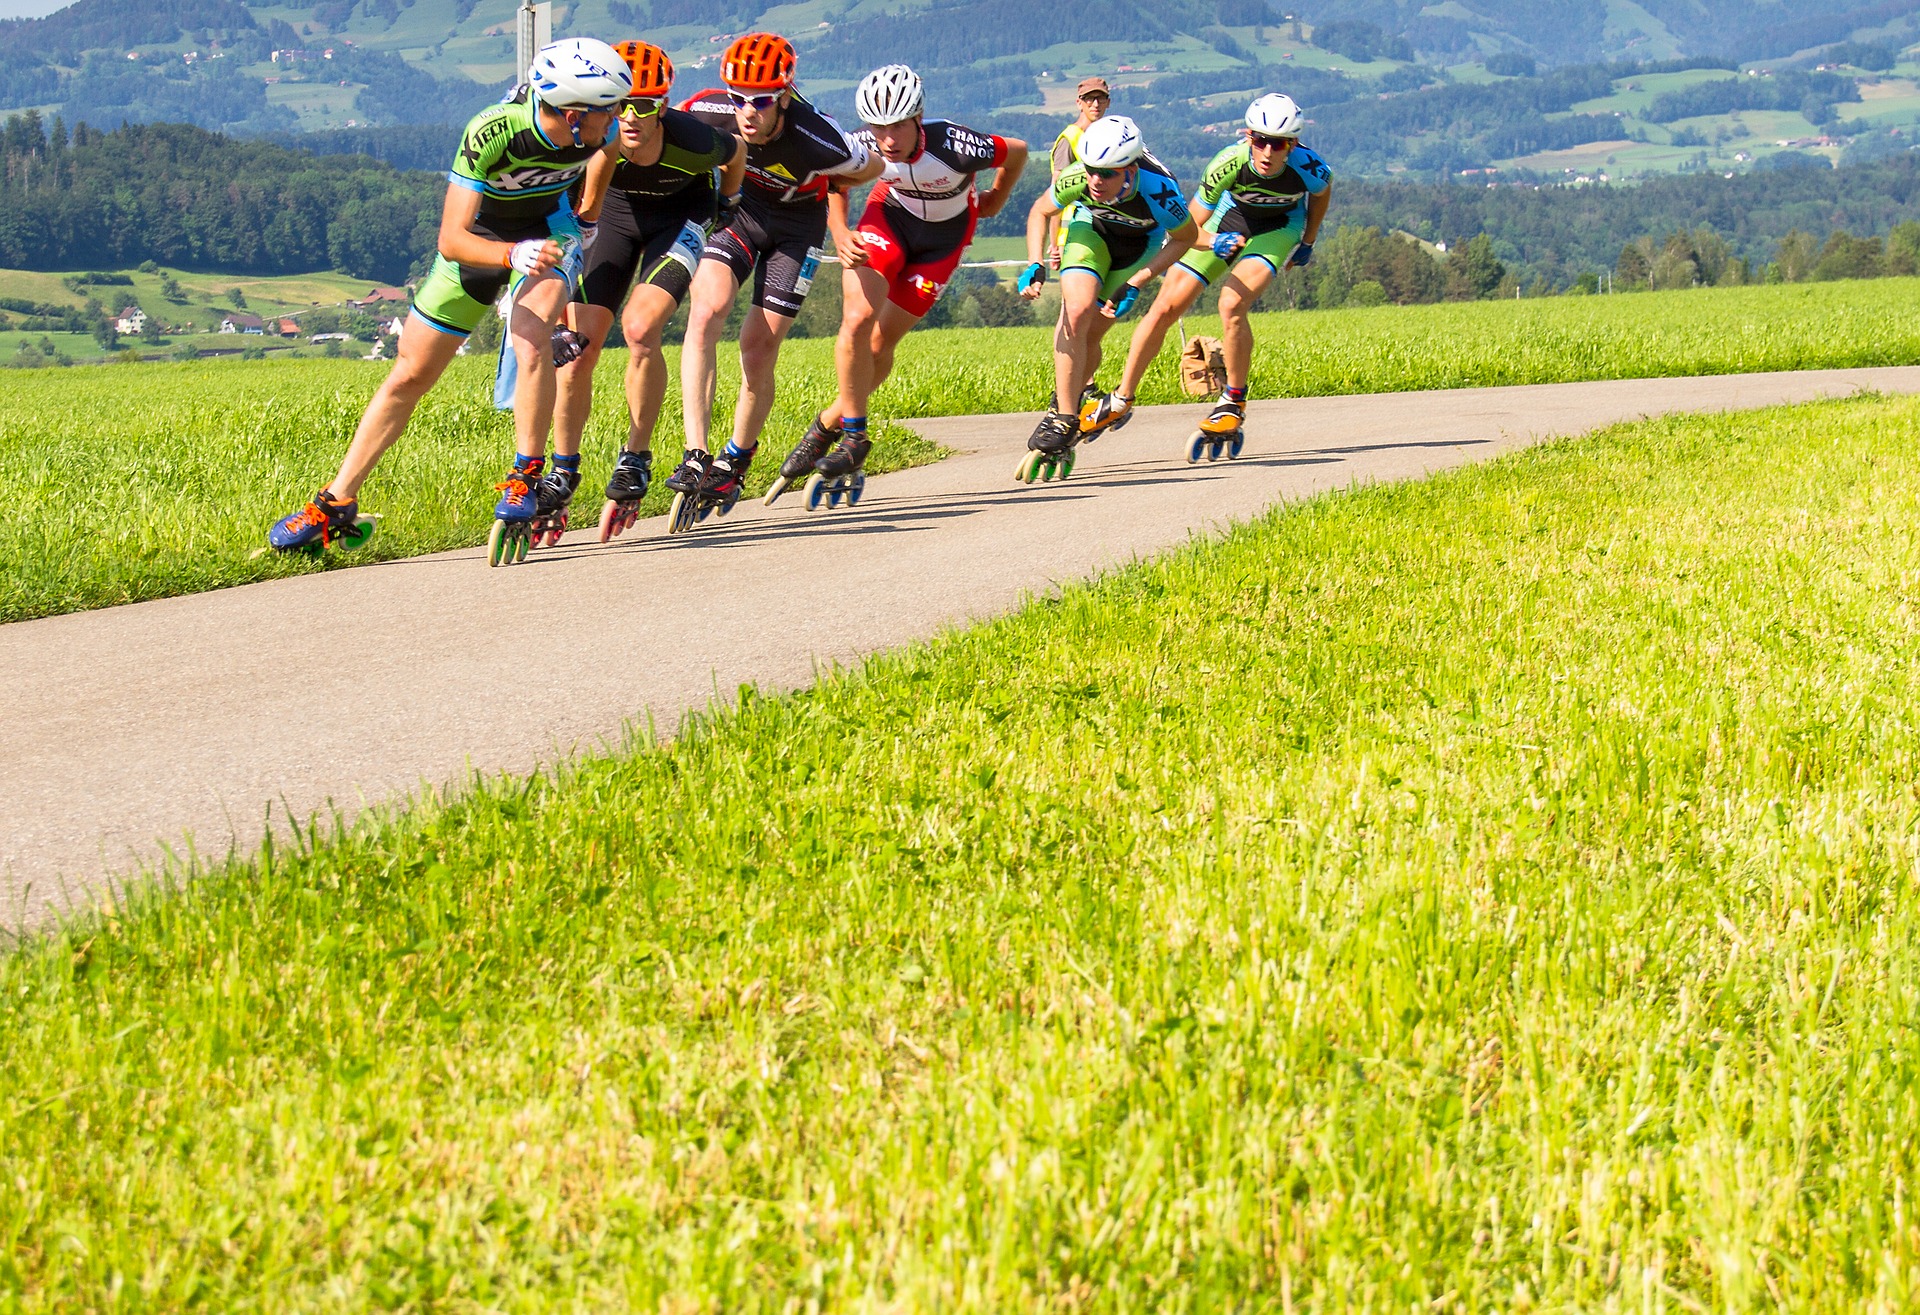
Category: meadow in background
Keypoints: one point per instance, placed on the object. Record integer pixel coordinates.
(141, 483)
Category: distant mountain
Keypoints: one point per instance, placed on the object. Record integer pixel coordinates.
(1531, 88)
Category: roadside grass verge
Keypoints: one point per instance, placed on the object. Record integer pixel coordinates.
(1490, 892)
(142, 482)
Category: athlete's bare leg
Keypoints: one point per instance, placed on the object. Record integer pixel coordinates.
(573, 401)
(1238, 294)
(423, 357)
(760, 339)
(536, 309)
(1075, 337)
(1178, 291)
(865, 294)
(710, 302)
(648, 310)
(882, 333)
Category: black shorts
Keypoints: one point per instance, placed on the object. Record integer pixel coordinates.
(661, 251)
(1256, 221)
(781, 248)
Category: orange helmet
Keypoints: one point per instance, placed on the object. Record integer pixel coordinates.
(759, 61)
(652, 70)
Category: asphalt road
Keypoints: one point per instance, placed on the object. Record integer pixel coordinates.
(182, 725)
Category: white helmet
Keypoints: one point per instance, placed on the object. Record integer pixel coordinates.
(1274, 115)
(1111, 143)
(888, 95)
(580, 73)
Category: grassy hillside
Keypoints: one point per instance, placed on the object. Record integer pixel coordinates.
(1489, 893)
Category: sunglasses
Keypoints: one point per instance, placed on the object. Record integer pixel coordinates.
(641, 107)
(1271, 143)
(1092, 96)
(741, 100)
(1106, 173)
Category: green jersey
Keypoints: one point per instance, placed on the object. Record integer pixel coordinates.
(520, 173)
(1230, 179)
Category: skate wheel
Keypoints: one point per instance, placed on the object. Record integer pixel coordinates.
(497, 546)
(609, 521)
(359, 533)
(1214, 447)
(780, 485)
(521, 541)
(1024, 472)
(816, 491)
(1234, 447)
(1066, 466)
(1195, 444)
(681, 517)
(855, 487)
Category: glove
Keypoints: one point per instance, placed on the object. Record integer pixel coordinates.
(1032, 276)
(728, 209)
(1124, 301)
(1302, 256)
(567, 346)
(526, 255)
(1227, 245)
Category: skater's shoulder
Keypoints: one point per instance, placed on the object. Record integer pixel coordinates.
(1313, 170)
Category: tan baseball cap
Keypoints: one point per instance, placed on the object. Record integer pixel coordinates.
(1092, 84)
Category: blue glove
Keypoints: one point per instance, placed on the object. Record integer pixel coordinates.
(1302, 256)
(1124, 302)
(1227, 245)
(1032, 276)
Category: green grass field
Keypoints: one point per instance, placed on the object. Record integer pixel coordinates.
(162, 480)
(1495, 892)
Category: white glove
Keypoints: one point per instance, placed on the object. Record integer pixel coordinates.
(526, 255)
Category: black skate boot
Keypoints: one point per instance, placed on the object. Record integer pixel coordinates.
(1050, 449)
(800, 462)
(840, 474)
(632, 476)
(551, 496)
(692, 470)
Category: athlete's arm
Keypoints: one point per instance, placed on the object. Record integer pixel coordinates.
(460, 244)
(994, 199)
(1316, 211)
(846, 243)
(593, 186)
(1039, 218)
(1178, 243)
(733, 174)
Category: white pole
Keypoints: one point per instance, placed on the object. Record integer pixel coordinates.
(532, 30)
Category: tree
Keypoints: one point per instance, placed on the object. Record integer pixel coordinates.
(1848, 257)
(1473, 271)
(1795, 255)
(237, 298)
(1632, 267)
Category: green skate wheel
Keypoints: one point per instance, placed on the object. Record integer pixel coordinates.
(361, 532)
(521, 542)
(497, 546)
(1066, 466)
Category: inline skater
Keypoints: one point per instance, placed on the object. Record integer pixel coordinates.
(1260, 207)
(796, 155)
(505, 219)
(654, 196)
(917, 223)
(1117, 199)
(1093, 96)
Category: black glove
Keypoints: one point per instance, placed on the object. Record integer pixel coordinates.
(567, 346)
(725, 213)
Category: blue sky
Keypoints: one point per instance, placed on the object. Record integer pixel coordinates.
(30, 8)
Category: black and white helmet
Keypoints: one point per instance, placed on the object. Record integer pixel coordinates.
(1111, 143)
(1274, 115)
(891, 94)
(580, 73)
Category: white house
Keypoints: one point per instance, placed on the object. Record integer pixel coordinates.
(131, 320)
(240, 321)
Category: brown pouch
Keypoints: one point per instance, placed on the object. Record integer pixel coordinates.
(1203, 367)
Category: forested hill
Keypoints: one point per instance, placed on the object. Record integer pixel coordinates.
(184, 197)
